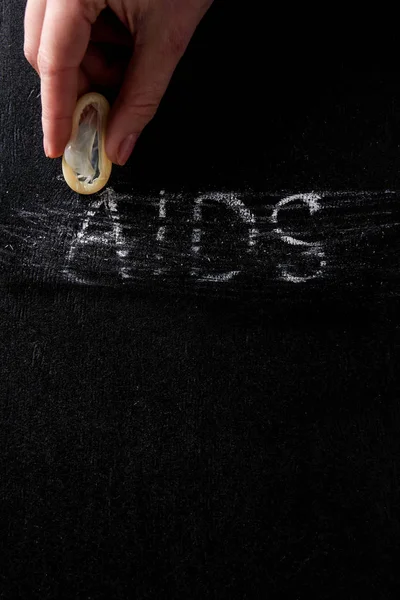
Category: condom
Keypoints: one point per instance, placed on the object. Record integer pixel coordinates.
(86, 167)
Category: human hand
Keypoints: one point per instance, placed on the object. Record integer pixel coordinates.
(75, 45)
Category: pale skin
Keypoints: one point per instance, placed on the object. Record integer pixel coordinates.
(135, 45)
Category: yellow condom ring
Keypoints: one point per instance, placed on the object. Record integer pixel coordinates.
(86, 167)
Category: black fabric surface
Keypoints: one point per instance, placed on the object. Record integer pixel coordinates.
(167, 437)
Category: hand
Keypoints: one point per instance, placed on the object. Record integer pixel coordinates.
(75, 45)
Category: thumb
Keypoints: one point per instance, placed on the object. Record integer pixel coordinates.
(146, 80)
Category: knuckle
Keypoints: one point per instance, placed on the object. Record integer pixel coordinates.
(45, 66)
(177, 41)
(144, 106)
(48, 67)
(51, 114)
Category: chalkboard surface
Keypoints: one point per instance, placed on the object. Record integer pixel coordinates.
(199, 366)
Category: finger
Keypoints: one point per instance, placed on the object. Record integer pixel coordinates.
(64, 40)
(33, 23)
(146, 80)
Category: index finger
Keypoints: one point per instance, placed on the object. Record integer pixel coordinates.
(64, 40)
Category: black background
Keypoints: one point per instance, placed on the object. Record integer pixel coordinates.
(233, 442)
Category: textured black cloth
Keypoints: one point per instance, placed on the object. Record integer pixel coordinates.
(212, 412)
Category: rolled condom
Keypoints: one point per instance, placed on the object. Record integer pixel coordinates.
(86, 167)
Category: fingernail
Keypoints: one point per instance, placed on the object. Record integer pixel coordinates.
(45, 148)
(126, 147)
